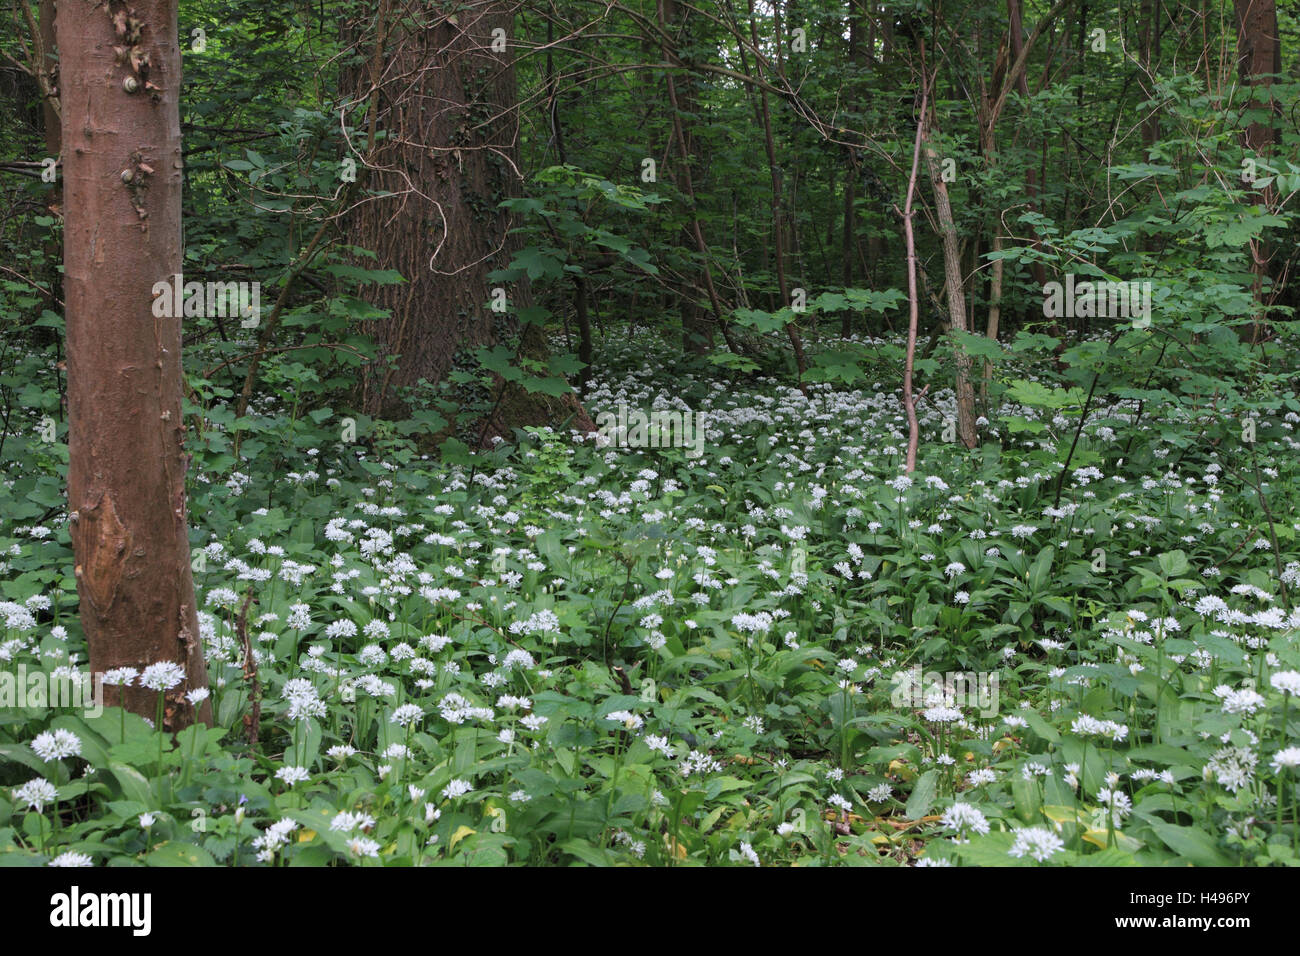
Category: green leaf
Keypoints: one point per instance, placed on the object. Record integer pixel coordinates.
(135, 786)
(1192, 844)
(923, 794)
(180, 854)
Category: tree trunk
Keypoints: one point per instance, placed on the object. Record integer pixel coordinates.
(995, 312)
(697, 330)
(1259, 52)
(48, 54)
(126, 442)
(955, 289)
(850, 187)
(446, 104)
(913, 294)
(792, 333)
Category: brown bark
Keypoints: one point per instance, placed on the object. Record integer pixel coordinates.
(850, 193)
(446, 103)
(697, 331)
(48, 63)
(1149, 53)
(955, 287)
(995, 312)
(126, 442)
(792, 333)
(1259, 53)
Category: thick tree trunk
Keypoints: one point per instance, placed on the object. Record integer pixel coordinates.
(445, 102)
(1259, 53)
(126, 444)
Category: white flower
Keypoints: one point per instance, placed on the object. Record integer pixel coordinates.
(71, 858)
(628, 719)
(292, 775)
(457, 788)
(346, 822)
(299, 617)
(1118, 801)
(1288, 682)
(1038, 842)
(879, 793)
(57, 744)
(660, 745)
(36, 793)
(363, 846)
(120, 676)
(965, 819)
(407, 714)
(1288, 758)
(941, 714)
(163, 675)
(1244, 701)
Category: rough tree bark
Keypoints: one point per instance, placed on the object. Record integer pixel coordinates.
(1259, 53)
(120, 81)
(445, 102)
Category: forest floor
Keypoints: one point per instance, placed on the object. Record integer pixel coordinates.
(779, 650)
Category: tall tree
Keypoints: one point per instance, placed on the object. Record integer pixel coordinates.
(1259, 56)
(120, 80)
(441, 156)
(697, 331)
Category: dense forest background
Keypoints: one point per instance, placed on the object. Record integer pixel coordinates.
(714, 174)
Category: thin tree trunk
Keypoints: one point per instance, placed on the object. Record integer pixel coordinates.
(913, 295)
(995, 312)
(850, 193)
(796, 344)
(670, 56)
(955, 285)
